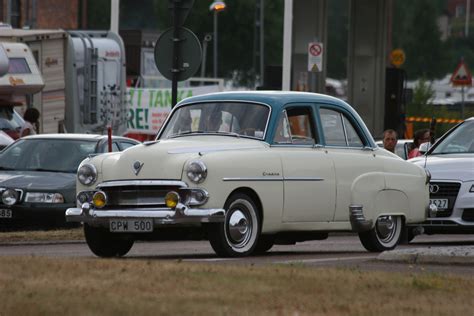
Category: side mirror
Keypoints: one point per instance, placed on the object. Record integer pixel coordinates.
(424, 147)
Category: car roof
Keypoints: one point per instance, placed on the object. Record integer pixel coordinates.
(276, 99)
(73, 136)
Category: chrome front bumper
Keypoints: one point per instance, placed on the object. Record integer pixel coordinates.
(180, 215)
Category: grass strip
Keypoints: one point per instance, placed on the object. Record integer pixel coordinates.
(66, 286)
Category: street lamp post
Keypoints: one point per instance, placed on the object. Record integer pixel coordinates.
(216, 6)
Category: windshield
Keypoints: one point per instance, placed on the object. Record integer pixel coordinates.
(54, 155)
(458, 141)
(220, 118)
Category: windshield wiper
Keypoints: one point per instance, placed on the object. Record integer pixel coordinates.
(45, 170)
(186, 133)
(226, 133)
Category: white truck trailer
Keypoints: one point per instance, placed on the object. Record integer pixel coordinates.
(84, 79)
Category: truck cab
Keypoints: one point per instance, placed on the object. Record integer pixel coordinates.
(20, 78)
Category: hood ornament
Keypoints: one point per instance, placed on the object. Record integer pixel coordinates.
(137, 166)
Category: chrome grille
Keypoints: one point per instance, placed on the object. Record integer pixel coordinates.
(446, 190)
(138, 195)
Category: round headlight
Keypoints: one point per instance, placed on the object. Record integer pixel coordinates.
(9, 197)
(196, 171)
(87, 174)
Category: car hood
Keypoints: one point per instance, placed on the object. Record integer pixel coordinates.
(165, 159)
(39, 181)
(448, 167)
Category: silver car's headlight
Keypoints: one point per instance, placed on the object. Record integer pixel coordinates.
(196, 171)
(39, 197)
(87, 174)
(10, 197)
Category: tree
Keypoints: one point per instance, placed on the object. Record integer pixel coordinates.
(416, 32)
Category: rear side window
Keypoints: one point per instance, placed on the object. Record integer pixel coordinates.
(338, 130)
(295, 126)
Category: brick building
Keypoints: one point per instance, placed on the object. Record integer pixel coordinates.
(44, 14)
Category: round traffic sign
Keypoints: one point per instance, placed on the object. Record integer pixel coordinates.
(189, 54)
(315, 49)
(397, 57)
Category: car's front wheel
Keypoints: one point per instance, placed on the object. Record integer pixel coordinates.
(384, 236)
(238, 235)
(106, 244)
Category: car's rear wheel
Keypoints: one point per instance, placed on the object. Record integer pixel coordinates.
(106, 244)
(384, 236)
(238, 235)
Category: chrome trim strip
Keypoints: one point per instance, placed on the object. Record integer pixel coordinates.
(274, 179)
(303, 179)
(109, 184)
(209, 149)
(254, 179)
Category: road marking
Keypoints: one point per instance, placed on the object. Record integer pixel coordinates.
(325, 260)
(210, 259)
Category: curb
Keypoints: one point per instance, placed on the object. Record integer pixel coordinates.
(463, 255)
(45, 242)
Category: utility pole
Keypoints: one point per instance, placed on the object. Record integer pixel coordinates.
(259, 56)
(468, 15)
(114, 16)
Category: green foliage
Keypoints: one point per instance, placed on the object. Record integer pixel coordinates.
(416, 32)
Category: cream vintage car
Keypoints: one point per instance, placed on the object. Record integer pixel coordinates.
(248, 170)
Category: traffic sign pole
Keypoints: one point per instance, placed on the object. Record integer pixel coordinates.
(175, 66)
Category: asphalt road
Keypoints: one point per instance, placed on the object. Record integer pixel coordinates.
(343, 251)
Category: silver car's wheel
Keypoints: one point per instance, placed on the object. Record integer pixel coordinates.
(238, 235)
(384, 236)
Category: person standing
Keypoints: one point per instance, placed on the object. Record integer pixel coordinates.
(31, 117)
(390, 139)
(421, 136)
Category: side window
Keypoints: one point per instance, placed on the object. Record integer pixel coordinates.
(104, 148)
(296, 126)
(126, 145)
(283, 134)
(332, 128)
(353, 138)
(338, 130)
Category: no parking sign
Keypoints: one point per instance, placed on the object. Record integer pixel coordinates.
(315, 57)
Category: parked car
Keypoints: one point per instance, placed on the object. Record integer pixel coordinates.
(451, 164)
(37, 176)
(248, 170)
(5, 140)
(401, 149)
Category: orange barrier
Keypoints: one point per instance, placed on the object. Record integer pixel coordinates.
(428, 119)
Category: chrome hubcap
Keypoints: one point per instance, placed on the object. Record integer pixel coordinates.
(239, 228)
(386, 227)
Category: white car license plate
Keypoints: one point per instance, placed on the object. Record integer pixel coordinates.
(5, 213)
(441, 204)
(131, 225)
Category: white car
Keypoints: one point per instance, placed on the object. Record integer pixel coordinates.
(451, 164)
(401, 149)
(247, 170)
(5, 140)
